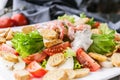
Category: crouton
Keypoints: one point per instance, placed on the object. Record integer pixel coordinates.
(48, 34)
(28, 29)
(115, 59)
(2, 40)
(98, 57)
(50, 43)
(22, 75)
(56, 59)
(10, 57)
(56, 75)
(78, 73)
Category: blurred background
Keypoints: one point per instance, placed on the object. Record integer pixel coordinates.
(38, 11)
(51, 9)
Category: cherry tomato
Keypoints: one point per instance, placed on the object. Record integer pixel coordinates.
(96, 24)
(86, 60)
(57, 49)
(6, 22)
(19, 19)
(39, 57)
(5, 47)
(36, 70)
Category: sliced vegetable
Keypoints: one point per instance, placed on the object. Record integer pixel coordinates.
(27, 44)
(36, 70)
(39, 57)
(86, 60)
(96, 24)
(57, 49)
(103, 43)
(5, 47)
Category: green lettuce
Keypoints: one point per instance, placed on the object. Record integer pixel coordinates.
(43, 63)
(82, 15)
(69, 53)
(67, 17)
(90, 22)
(77, 65)
(27, 44)
(103, 43)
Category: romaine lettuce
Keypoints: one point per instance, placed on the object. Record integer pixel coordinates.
(69, 53)
(103, 43)
(77, 65)
(27, 44)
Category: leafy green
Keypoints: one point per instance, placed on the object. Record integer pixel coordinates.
(43, 64)
(82, 15)
(105, 30)
(27, 44)
(91, 22)
(69, 53)
(103, 43)
(67, 17)
(77, 65)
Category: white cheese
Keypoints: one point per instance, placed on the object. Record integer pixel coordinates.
(82, 39)
(69, 64)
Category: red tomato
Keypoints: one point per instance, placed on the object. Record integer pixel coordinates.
(36, 70)
(96, 24)
(39, 57)
(57, 49)
(6, 22)
(86, 60)
(19, 19)
(5, 47)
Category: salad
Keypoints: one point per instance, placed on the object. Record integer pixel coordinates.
(67, 48)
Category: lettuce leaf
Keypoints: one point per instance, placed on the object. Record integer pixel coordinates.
(27, 44)
(43, 63)
(103, 43)
(82, 15)
(77, 65)
(67, 17)
(90, 22)
(69, 53)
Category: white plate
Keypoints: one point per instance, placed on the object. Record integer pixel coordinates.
(102, 74)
